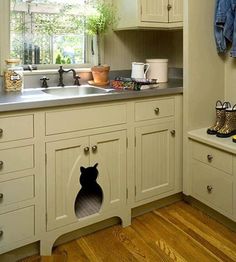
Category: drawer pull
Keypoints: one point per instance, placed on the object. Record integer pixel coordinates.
(1, 196)
(169, 7)
(157, 110)
(94, 148)
(172, 132)
(86, 149)
(209, 158)
(1, 233)
(1, 132)
(209, 189)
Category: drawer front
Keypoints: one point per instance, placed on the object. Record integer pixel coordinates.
(212, 187)
(16, 159)
(16, 226)
(16, 190)
(84, 118)
(213, 157)
(16, 128)
(148, 110)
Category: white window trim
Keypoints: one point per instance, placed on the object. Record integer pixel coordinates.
(5, 43)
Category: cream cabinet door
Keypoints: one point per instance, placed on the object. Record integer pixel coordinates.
(154, 160)
(175, 11)
(64, 159)
(154, 11)
(109, 151)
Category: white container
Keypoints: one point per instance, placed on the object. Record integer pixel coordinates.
(158, 69)
(139, 70)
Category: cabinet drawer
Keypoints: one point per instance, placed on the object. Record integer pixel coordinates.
(212, 187)
(16, 128)
(16, 226)
(16, 159)
(16, 190)
(213, 157)
(84, 118)
(148, 110)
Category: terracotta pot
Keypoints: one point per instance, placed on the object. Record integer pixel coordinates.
(101, 74)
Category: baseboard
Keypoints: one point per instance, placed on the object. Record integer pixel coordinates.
(138, 211)
(210, 212)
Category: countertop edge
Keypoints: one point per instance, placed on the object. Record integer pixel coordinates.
(110, 97)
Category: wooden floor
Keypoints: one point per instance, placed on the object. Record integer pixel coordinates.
(175, 233)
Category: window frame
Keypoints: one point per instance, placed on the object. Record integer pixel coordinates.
(5, 43)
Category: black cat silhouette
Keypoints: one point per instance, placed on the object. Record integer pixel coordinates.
(88, 177)
(89, 198)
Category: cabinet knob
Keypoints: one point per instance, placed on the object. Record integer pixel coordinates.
(1, 164)
(209, 189)
(94, 148)
(1, 196)
(1, 233)
(209, 158)
(172, 132)
(169, 7)
(86, 149)
(157, 110)
(1, 132)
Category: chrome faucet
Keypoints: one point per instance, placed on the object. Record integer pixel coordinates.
(75, 76)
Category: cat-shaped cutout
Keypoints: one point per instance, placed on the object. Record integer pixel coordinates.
(89, 198)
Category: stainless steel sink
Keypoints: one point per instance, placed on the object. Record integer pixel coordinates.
(75, 91)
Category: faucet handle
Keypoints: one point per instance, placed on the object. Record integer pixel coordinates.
(44, 80)
(77, 83)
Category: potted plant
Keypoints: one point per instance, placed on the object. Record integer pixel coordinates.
(97, 25)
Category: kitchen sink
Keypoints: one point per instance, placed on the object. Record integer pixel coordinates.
(71, 91)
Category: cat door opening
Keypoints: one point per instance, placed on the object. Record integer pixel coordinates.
(90, 196)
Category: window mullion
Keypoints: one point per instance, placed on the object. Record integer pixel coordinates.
(4, 32)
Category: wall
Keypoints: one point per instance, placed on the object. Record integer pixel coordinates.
(230, 79)
(124, 47)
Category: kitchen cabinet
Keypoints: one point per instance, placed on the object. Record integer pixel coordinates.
(157, 148)
(20, 204)
(64, 159)
(154, 160)
(149, 14)
(213, 170)
(135, 142)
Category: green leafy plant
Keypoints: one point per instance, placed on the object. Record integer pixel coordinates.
(99, 23)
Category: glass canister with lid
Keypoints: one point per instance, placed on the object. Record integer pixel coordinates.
(13, 75)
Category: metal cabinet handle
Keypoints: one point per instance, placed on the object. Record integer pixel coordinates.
(157, 110)
(169, 7)
(209, 189)
(1, 132)
(1, 233)
(1, 196)
(209, 158)
(172, 132)
(86, 149)
(94, 148)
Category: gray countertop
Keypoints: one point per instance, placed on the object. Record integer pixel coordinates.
(35, 98)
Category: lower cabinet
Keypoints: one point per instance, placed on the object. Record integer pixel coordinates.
(67, 200)
(154, 160)
(212, 175)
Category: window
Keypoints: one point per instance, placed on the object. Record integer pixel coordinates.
(49, 31)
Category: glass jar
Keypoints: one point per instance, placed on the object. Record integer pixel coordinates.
(13, 75)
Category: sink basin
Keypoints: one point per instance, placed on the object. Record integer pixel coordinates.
(71, 91)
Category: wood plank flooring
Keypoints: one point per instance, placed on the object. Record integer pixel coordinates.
(175, 233)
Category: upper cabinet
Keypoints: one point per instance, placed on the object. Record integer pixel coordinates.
(149, 14)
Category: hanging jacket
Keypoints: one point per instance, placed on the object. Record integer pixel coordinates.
(224, 24)
(233, 14)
